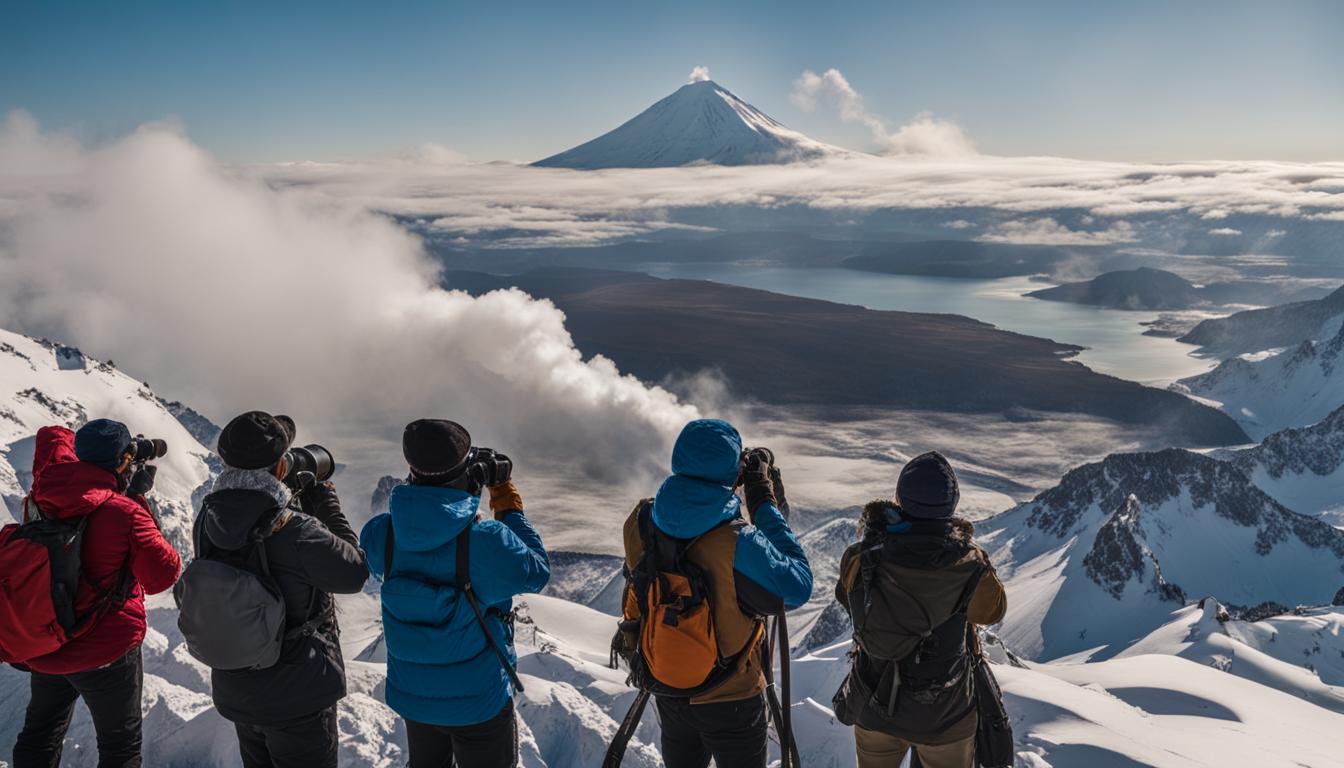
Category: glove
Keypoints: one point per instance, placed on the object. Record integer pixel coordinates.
(319, 500)
(777, 482)
(505, 498)
(757, 486)
(142, 482)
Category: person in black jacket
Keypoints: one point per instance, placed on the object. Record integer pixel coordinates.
(285, 715)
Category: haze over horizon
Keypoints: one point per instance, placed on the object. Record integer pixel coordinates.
(1144, 82)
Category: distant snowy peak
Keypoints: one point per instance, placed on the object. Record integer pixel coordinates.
(702, 122)
(1294, 388)
(1119, 543)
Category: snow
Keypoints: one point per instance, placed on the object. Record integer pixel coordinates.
(702, 122)
(1155, 682)
(1292, 388)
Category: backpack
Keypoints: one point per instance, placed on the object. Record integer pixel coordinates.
(913, 674)
(40, 575)
(232, 616)
(462, 580)
(667, 634)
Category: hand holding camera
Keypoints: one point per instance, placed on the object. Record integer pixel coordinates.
(756, 477)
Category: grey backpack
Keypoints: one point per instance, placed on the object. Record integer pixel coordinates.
(232, 617)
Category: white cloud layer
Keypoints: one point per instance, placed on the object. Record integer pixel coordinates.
(925, 135)
(232, 294)
(1047, 231)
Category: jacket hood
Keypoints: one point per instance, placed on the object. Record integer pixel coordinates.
(699, 494)
(239, 501)
(72, 489)
(916, 542)
(426, 517)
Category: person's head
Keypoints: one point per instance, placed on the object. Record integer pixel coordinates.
(708, 449)
(927, 488)
(104, 443)
(436, 450)
(257, 440)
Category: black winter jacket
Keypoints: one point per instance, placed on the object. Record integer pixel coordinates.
(312, 552)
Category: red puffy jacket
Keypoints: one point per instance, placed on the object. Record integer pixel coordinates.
(120, 532)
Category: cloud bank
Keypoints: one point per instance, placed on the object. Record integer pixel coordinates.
(925, 135)
(232, 294)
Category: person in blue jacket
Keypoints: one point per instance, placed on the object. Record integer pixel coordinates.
(755, 568)
(451, 682)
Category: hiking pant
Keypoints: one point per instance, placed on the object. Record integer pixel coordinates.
(492, 744)
(112, 694)
(881, 750)
(309, 742)
(731, 732)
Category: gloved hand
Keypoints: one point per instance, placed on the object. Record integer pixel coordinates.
(505, 498)
(757, 486)
(319, 500)
(777, 482)
(142, 482)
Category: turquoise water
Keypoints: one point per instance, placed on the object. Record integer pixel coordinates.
(1114, 340)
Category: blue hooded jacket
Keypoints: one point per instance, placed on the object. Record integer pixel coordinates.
(699, 495)
(440, 670)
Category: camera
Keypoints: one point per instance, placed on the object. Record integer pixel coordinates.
(144, 449)
(764, 454)
(307, 465)
(483, 467)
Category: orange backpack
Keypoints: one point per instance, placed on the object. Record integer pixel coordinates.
(667, 636)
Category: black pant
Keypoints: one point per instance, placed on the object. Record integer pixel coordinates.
(308, 742)
(731, 732)
(492, 744)
(112, 694)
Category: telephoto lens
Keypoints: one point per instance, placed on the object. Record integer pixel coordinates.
(310, 460)
(147, 448)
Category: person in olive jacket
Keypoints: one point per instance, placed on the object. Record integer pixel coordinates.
(285, 715)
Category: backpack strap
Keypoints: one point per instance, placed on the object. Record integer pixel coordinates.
(389, 548)
(463, 581)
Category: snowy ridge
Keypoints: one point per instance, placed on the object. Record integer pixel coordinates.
(1302, 468)
(1118, 544)
(1294, 388)
(701, 122)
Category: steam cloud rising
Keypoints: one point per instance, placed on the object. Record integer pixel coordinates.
(232, 294)
(925, 135)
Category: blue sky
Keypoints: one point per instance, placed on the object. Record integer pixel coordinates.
(516, 80)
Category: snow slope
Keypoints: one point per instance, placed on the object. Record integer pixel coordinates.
(701, 122)
(1105, 556)
(1293, 388)
(1302, 468)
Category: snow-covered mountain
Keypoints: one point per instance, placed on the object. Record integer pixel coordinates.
(1293, 388)
(702, 122)
(1106, 555)
(1302, 468)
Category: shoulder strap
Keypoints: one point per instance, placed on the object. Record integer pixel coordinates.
(968, 593)
(389, 547)
(463, 581)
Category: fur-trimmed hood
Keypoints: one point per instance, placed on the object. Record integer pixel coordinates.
(920, 543)
(242, 500)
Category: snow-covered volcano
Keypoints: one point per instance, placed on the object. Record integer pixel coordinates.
(701, 122)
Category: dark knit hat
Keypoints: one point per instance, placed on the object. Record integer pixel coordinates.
(255, 440)
(102, 442)
(435, 448)
(927, 488)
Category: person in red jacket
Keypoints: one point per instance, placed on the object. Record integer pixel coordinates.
(90, 473)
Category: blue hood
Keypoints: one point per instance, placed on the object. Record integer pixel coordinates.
(426, 517)
(699, 493)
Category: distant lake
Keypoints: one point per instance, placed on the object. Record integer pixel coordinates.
(1114, 339)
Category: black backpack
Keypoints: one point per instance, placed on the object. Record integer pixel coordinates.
(231, 610)
(913, 674)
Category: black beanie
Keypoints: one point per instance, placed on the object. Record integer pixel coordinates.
(435, 448)
(102, 442)
(255, 440)
(927, 488)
